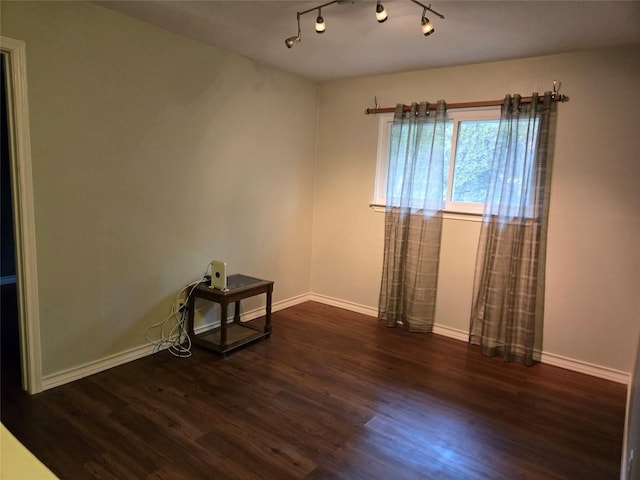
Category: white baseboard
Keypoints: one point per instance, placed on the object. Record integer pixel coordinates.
(546, 357)
(351, 306)
(256, 312)
(586, 368)
(454, 333)
(76, 373)
(291, 302)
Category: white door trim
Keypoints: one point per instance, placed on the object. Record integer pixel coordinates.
(24, 218)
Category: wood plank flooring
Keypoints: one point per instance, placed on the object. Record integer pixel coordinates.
(331, 395)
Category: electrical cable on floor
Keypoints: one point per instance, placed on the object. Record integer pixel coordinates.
(176, 340)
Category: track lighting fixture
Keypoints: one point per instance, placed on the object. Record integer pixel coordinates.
(381, 16)
(381, 13)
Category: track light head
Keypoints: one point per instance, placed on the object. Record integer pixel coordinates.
(291, 41)
(320, 26)
(381, 13)
(427, 27)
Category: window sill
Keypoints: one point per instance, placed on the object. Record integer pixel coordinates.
(448, 214)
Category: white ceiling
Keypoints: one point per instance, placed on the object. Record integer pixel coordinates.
(354, 44)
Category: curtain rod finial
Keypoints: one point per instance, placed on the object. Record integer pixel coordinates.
(556, 88)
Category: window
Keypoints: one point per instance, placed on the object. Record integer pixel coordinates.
(471, 136)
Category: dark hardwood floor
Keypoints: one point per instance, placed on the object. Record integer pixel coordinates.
(332, 394)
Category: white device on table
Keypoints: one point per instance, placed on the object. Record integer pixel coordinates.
(218, 275)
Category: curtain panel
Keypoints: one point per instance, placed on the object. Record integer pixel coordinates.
(508, 304)
(413, 218)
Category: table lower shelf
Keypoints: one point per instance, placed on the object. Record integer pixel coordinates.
(238, 334)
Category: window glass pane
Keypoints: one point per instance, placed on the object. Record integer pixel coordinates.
(447, 156)
(400, 154)
(516, 174)
(397, 144)
(469, 159)
(474, 152)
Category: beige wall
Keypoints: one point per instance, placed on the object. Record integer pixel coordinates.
(593, 276)
(153, 154)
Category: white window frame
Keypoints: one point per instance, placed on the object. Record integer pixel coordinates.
(455, 116)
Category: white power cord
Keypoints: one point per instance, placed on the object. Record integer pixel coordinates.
(176, 339)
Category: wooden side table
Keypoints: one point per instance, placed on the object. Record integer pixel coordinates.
(226, 337)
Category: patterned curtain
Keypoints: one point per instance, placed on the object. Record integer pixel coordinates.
(413, 219)
(506, 316)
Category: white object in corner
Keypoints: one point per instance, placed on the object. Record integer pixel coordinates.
(218, 275)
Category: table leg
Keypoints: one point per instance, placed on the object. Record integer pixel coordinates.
(223, 325)
(236, 313)
(267, 321)
(190, 314)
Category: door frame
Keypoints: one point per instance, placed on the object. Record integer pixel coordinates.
(23, 212)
